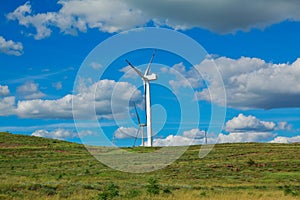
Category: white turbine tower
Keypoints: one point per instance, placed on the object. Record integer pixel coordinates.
(146, 80)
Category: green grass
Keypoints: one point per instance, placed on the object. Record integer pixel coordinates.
(39, 168)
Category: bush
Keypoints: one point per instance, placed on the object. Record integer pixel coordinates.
(167, 191)
(203, 194)
(251, 162)
(153, 186)
(110, 191)
(288, 191)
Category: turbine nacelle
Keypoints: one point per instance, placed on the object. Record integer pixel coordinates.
(151, 77)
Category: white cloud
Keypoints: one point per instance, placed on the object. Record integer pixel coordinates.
(113, 16)
(194, 133)
(188, 137)
(281, 139)
(184, 77)
(219, 16)
(10, 47)
(61, 133)
(98, 94)
(57, 85)
(243, 123)
(7, 106)
(30, 90)
(77, 15)
(252, 83)
(174, 140)
(124, 132)
(95, 65)
(97, 97)
(245, 137)
(7, 103)
(128, 72)
(284, 126)
(4, 91)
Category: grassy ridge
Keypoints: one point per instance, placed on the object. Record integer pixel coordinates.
(39, 168)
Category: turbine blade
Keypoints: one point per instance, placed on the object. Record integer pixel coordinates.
(137, 134)
(137, 114)
(149, 65)
(135, 69)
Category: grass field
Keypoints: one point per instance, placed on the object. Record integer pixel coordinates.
(39, 168)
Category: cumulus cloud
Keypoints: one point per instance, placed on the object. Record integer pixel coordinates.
(124, 132)
(4, 91)
(77, 15)
(98, 94)
(250, 129)
(194, 133)
(243, 123)
(245, 137)
(281, 139)
(7, 106)
(188, 137)
(184, 77)
(118, 15)
(174, 140)
(30, 90)
(96, 98)
(128, 72)
(252, 83)
(10, 47)
(241, 129)
(284, 126)
(61, 133)
(7, 103)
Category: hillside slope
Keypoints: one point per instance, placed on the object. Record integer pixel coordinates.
(39, 168)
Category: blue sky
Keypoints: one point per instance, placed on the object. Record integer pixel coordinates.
(255, 46)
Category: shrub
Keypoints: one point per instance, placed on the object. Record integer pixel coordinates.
(167, 191)
(110, 191)
(288, 191)
(251, 162)
(203, 194)
(153, 186)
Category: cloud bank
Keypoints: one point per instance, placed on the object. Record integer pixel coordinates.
(118, 15)
(98, 94)
(61, 134)
(240, 129)
(252, 83)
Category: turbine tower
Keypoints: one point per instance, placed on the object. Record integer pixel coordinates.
(146, 77)
(141, 126)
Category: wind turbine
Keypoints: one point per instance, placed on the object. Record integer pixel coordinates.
(146, 77)
(141, 126)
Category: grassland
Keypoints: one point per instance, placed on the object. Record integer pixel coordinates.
(39, 168)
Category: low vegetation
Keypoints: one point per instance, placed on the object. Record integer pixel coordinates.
(39, 168)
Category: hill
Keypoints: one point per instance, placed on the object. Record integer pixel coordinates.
(39, 168)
